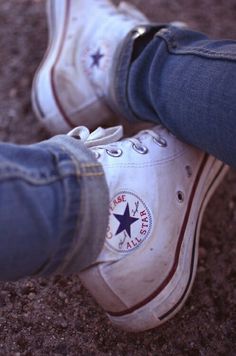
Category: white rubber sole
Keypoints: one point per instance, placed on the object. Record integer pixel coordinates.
(167, 300)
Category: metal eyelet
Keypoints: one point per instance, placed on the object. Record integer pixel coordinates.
(140, 149)
(160, 141)
(113, 152)
(180, 196)
(189, 171)
(138, 31)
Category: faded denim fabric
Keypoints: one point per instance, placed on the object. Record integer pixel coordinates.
(185, 81)
(53, 208)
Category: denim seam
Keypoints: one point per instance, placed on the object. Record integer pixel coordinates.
(35, 181)
(79, 166)
(28, 177)
(52, 179)
(90, 165)
(120, 74)
(59, 260)
(93, 174)
(122, 64)
(69, 247)
(66, 236)
(172, 43)
(16, 172)
(78, 244)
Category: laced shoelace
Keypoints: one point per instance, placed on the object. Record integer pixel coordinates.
(98, 137)
(109, 140)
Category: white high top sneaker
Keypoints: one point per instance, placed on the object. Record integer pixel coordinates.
(159, 188)
(83, 38)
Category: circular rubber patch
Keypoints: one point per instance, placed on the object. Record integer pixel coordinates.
(130, 222)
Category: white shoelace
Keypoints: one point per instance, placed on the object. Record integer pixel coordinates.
(98, 137)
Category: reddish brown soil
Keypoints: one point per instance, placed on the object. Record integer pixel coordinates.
(57, 316)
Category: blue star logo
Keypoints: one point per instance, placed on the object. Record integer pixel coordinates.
(125, 221)
(96, 57)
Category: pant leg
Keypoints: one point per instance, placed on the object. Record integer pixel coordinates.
(185, 81)
(53, 208)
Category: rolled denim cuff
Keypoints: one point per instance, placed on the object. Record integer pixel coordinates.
(121, 68)
(81, 242)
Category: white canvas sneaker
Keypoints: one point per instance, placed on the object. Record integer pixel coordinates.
(159, 188)
(73, 78)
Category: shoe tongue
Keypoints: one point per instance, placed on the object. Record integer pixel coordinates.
(100, 136)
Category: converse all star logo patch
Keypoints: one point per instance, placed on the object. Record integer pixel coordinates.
(130, 222)
(96, 58)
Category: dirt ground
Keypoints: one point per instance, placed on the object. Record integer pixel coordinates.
(57, 316)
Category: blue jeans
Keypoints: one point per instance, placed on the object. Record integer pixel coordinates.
(53, 208)
(186, 82)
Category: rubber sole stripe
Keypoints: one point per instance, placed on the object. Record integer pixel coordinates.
(172, 310)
